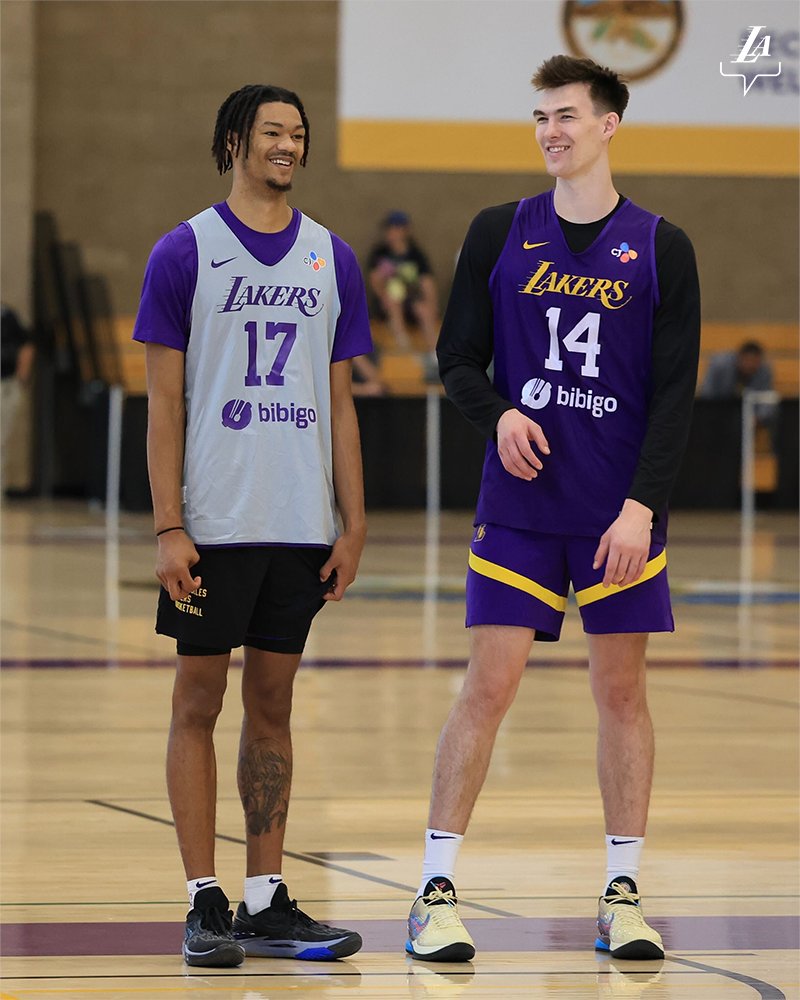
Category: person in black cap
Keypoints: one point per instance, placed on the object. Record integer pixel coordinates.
(401, 279)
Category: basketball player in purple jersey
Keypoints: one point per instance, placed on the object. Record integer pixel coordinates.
(589, 306)
(251, 313)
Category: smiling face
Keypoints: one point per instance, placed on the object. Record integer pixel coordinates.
(277, 142)
(572, 134)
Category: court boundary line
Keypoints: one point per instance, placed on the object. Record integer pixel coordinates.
(447, 970)
(410, 663)
(765, 990)
(309, 859)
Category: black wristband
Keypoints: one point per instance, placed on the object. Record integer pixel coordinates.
(178, 527)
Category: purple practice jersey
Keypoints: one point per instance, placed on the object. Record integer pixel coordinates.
(572, 351)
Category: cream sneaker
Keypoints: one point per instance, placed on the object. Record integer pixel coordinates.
(435, 931)
(621, 929)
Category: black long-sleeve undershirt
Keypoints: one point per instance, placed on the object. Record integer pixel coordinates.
(465, 347)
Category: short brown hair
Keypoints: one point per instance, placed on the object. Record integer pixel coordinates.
(606, 89)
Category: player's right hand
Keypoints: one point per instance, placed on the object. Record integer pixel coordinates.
(176, 556)
(515, 432)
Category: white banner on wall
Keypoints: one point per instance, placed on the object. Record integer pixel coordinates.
(714, 84)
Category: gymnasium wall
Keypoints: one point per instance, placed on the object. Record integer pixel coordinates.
(125, 95)
(17, 113)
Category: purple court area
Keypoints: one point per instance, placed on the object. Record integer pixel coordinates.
(499, 934)
(457, 662)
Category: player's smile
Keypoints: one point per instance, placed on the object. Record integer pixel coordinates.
(283, 164)
(277, 143)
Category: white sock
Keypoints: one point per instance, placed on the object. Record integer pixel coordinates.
(441, 853)
(194, 885)
(622, 856)
(259, 890)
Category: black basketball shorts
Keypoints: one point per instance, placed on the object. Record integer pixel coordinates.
(264, 596)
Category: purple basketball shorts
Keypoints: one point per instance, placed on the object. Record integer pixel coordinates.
(518, 577)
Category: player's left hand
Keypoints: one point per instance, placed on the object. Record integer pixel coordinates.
(342, 564)
(625, 546)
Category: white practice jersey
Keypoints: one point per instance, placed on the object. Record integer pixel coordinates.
(258, 465)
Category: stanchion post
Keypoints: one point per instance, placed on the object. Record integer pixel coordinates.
(113, 467)
(433, 466)
(751, 399)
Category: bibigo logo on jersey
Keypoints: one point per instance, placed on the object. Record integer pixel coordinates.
(537, 393)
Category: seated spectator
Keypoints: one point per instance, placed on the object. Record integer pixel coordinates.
(401, 279)
(367, 379)
(729, 373)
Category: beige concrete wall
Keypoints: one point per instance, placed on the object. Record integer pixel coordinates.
(17, 110)
(17, 122)
(127, 93)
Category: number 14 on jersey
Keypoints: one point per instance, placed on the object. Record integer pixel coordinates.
(588, 326)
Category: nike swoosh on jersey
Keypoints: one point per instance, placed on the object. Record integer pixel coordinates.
(532, 246)
(219, 263)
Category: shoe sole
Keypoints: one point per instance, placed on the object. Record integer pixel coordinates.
(641, 949)
(226, 956)
(320, 951)
(458, 952)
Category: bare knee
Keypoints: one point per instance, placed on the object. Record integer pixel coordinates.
(489, 695)
(617, 674)
(197, 701)
(621, 698)
(267, 690)
(269, 707)
(497, 662)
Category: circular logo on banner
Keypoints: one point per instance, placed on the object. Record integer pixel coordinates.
(633, 37)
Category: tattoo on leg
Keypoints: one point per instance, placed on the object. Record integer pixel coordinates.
(265, 776)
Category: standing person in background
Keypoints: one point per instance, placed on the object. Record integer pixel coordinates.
(590, 307)
(251, 313)
(18, 355)
(401, 279)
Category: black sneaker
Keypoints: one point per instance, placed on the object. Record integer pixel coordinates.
(209, 940)
(283, 931)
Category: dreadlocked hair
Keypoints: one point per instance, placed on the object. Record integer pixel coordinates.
(237, 114)
(606, 89)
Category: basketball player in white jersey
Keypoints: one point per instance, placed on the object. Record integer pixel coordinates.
(251, 314)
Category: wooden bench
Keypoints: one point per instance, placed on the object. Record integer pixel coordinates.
(403, 373)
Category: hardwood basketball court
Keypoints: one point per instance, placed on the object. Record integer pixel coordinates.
(92, 886)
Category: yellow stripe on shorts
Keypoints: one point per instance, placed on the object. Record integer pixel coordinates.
(516, 580)
(598, 591)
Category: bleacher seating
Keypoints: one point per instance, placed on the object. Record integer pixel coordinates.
(402, 371)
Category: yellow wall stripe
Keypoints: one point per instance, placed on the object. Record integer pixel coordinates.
(492, 147)
(507, 576)
(598, 591)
